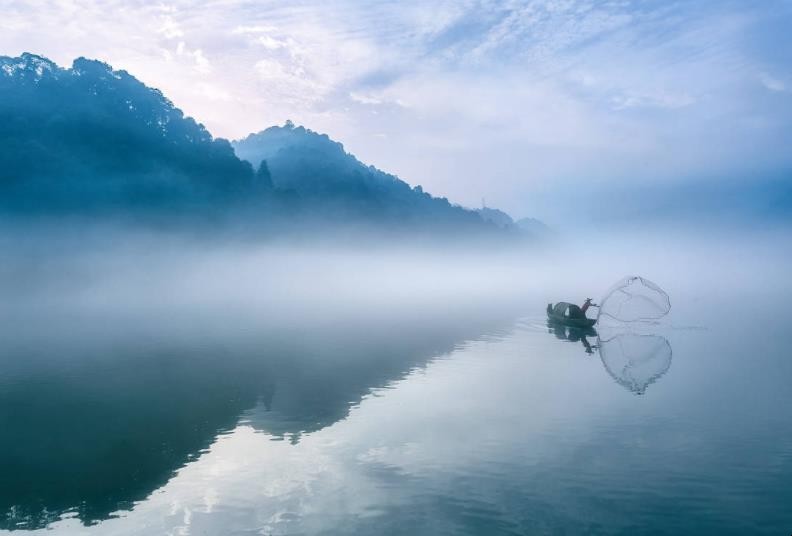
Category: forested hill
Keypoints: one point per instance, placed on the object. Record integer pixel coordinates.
(91, 140)
(322, 173)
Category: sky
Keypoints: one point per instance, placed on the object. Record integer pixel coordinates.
(540, 107)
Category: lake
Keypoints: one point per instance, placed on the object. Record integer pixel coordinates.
(435, 416)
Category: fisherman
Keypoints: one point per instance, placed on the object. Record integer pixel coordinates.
(569, 310)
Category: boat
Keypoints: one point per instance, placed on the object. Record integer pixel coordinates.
(568, 314)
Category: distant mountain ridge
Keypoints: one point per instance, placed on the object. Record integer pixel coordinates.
(318, 169)
(93, 140)
(498, 217)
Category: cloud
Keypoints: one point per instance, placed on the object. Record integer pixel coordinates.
(202, 64)
(194, 58)
(364, 98)
(252, 29)
(657, 100)
(214, 93)
(498, 98)
(271, 43)
(771, 83)
(170, 29)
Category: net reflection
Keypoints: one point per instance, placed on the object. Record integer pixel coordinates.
(634, 360)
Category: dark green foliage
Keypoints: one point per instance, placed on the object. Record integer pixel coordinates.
(333, 182)
(93, 138)
(263, 176)
(496, 217)
(90, 140)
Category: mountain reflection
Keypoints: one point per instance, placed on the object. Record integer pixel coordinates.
(95, 419)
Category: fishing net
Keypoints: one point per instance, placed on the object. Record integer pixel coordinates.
(634, 299)
(635, 361)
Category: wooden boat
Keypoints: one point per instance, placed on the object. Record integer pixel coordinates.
(568, 314)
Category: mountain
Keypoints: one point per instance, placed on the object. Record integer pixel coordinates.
(498, 217)
(333, 181)
(90, 137)
(90, 140)
(527, 226)
(534, 226)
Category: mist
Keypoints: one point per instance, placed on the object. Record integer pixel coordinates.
(147, 347)
(458, 269)
(299, 278)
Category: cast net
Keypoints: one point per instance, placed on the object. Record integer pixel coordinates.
(634, 299)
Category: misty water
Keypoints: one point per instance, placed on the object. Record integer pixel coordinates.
(159, 388)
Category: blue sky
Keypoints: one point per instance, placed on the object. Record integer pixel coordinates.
(531, 104)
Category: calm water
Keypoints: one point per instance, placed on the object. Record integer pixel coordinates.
(458, 420)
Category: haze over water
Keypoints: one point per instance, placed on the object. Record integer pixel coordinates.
(179, 387)
(284, 268)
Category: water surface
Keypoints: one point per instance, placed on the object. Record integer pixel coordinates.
(468, 418)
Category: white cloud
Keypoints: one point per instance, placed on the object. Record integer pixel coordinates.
(271, 43)
(772, 83)
(365, 98)
(202, 64)
(658, 100)
(476, 97)
(253, 29)
(170, 29)
(214, 93)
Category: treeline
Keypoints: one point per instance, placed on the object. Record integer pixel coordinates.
(90, 140)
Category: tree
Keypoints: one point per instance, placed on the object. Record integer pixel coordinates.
(263, 176)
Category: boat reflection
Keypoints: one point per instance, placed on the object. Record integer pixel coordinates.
(573, 334)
